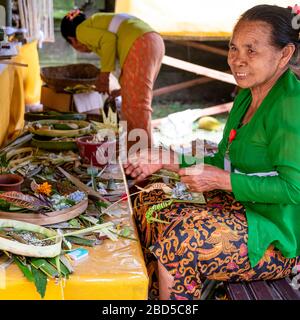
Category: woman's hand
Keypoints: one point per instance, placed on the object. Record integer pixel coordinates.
(202, 178)
(102, 82)
(149, 161)
(143, 164)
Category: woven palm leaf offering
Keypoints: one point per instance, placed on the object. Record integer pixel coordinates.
(44, 206)
(59, 128)
(28, 239)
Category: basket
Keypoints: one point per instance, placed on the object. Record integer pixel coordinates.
(58, 78)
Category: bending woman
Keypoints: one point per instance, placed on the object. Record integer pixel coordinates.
(137, 47)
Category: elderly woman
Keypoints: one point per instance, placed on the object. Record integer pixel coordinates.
(249, 229)
(130, 42)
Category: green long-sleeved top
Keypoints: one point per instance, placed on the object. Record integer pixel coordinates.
(93, 32)
(270, 141)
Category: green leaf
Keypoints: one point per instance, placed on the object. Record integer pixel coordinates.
(101, 204)
(4, 205)
(63, 269)
(26, 269)
(40, 281)
(125, 232)
(74, 223)
(44, 266)
(81, 241)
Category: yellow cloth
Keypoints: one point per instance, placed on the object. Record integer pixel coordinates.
(31, 75)
(191, 18)
(113, 270)
(19, 86)
(93, 32)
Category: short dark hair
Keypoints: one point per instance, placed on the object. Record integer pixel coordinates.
(280, 20)
(68, 26)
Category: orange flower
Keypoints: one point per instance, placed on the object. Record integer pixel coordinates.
(44, 188)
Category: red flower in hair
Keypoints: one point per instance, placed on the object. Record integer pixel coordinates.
(295, 9)
(73, 14)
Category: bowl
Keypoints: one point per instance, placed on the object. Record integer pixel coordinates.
(60, 77)
(54, 115)
(56, 128)
(96, 153)
(10, 182)
(47, 143)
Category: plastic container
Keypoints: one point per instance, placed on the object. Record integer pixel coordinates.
(88, 151)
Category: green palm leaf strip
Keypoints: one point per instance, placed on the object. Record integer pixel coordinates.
(157, 207)
(96, 228)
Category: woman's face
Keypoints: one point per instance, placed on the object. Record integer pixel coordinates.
(252, 58)
(78, 45)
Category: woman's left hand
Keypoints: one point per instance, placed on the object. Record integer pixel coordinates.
(102, 82)
(205, 177)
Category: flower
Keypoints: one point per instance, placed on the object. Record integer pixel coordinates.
(295, 9)
(232, 135)
(76, 196)
(73, 14)
(44, 188)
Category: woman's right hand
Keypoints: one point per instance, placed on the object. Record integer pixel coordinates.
(149, 161)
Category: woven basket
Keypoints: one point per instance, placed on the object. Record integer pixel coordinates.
(58, 78)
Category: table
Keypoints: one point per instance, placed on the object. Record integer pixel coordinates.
(112, 271)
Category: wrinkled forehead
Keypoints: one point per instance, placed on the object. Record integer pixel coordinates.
(252, 32)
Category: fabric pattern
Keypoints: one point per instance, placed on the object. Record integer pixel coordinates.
(202, 241)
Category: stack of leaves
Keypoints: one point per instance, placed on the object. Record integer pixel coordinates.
(37, 270)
